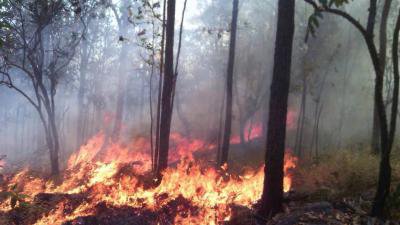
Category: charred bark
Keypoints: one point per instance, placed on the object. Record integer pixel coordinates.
(229, 86)
(160, 82)
(385, 170)
(166, 100)
(272, 196)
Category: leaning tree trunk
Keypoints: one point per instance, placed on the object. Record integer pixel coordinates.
(166, 99)
(229, 84)
(272, 196)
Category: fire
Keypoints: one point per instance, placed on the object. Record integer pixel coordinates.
(115, 175)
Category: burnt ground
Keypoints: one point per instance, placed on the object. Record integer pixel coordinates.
(297, 211)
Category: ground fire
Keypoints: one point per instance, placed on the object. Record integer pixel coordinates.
(199, 112)
(118, 176)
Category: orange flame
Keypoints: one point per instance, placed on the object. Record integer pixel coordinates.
(114, 174)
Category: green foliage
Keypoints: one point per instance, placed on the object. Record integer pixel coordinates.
(4, 24)
(313, 20)
(313, 23)
(15, 197)
(330, 3)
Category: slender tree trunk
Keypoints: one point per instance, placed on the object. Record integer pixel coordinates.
(221, 124)
(387, 138)
(272, 196)
(151, 94)
(301, 120)
(82, 112)
(166, 100)
(120, 97)
(160, 82)
(55, 168)
(122, 76)
(229, 84)
(382, 62)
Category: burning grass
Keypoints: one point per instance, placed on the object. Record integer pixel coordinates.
(109, 184)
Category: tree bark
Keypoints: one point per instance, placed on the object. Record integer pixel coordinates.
(166, 100)
(382, 63)
(82, 112)
(385, 170)
(160, 82)
(122, 76)
(229, 86)
(272, 196)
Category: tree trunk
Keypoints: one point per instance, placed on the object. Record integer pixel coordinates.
(382, 63)
(387, 138)
(160, 82)
(375, 143)
(82, 112)
(55, 168)
(272, 196)
(122, 78)
(301, 120)
(166, 100)
(229, 84)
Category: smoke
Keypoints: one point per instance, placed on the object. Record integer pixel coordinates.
(114, 59)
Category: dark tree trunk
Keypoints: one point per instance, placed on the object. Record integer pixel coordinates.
(166, 100)
(272, 196)
(385, 170)
(382, 63)
(160, 82)
(229, 86)
(55, 168)
(375, 143)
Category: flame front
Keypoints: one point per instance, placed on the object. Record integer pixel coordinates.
(115, 175)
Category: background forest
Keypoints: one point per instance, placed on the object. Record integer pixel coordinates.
(82, 75)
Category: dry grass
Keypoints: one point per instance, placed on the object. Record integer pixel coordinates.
(342, 173)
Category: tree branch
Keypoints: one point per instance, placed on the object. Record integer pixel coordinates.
(338, 12)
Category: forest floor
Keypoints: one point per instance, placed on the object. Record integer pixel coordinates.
(338, 188)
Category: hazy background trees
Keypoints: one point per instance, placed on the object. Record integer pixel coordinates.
(332, 82)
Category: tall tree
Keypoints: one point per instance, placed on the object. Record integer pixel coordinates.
(229, 86)
(40, 52)
(83, 67)
(122, 20)
(272, 196)
(167, 92)
(386, 128)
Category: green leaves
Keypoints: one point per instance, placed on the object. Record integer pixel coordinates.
(313, 20)
(313, 23)
(330, 3)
